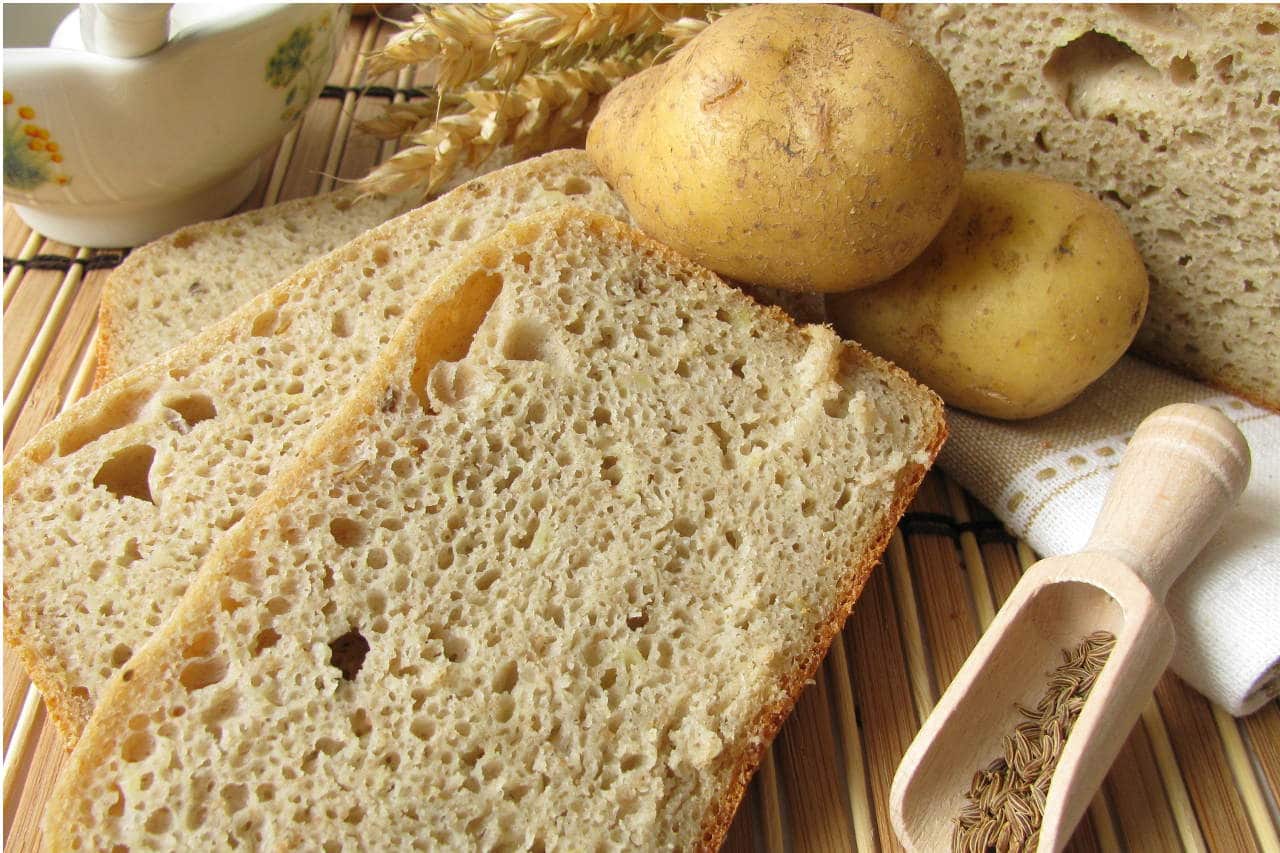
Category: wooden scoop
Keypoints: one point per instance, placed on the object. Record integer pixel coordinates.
(1184, 468)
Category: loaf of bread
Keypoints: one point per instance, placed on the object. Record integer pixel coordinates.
(110, 508)
(551, 577)
(1171, 114)
(171, 289)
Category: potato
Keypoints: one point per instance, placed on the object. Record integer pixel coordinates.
(811, 148)
(1030, 292)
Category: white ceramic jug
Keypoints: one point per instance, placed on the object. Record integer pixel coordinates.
(141, 118)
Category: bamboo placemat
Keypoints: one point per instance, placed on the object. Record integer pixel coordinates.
(1189, 776)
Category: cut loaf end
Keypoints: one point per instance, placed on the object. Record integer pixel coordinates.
(552, 576)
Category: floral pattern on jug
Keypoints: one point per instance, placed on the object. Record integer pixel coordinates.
(296, 56)
(31, 155)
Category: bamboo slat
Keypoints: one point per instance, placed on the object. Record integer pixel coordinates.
(810, 766)
(1187, 778)
(1261, 733)
(1219, 808)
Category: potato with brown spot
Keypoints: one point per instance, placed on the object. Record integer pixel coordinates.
(1031, 291)
(811, 148)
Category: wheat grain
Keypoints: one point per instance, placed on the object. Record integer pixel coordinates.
(1005, 802)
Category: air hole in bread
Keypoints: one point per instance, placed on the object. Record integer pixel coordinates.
(1112, 195)
(340, 325)
(523, 260)
(220, 708)
(846, 495)
(610, 471)
(1183, 71)
(328, 745)
(131, 554)
(1085, 73)
(456, 647)
(381, 255)
(117, 808)
(348, 652)
(487, 579)
(265, 639)
(506, 676)
(235, 796)
(1194, 139)
(137, 746)
(120, 655)
(264, 325)
(463, 229)
(347, 532)
(361, 725)
(450, 328)
(575, 185)
(525, 340)
(193, 408)
(1223, 68)
(184, 239)
(127, 473)
(838, 406)
(201, 645)
(200, 674)
(118, 413)
(422, 728)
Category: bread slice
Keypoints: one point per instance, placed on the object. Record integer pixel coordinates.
(1171, 114)
(168, 291)
(551, 577)
(111, 507)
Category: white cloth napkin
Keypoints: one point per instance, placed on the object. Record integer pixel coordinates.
(1045, 479)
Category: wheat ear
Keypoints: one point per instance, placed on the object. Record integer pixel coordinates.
(503, 42)
(542, 112)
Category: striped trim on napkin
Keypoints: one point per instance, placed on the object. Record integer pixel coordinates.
(1045, 478)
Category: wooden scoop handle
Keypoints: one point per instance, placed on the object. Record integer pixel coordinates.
(1184, 468)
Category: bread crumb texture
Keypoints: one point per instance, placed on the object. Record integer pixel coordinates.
(1171, 115)
(542, 595)
(111, 508)
(169, 290)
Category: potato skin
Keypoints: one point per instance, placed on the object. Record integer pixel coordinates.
(1030, 292)
(811, 148)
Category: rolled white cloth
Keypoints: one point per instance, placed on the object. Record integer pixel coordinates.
(1045, 478)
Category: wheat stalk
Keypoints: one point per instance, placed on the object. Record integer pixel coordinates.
(541, 112)
(508, 74)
